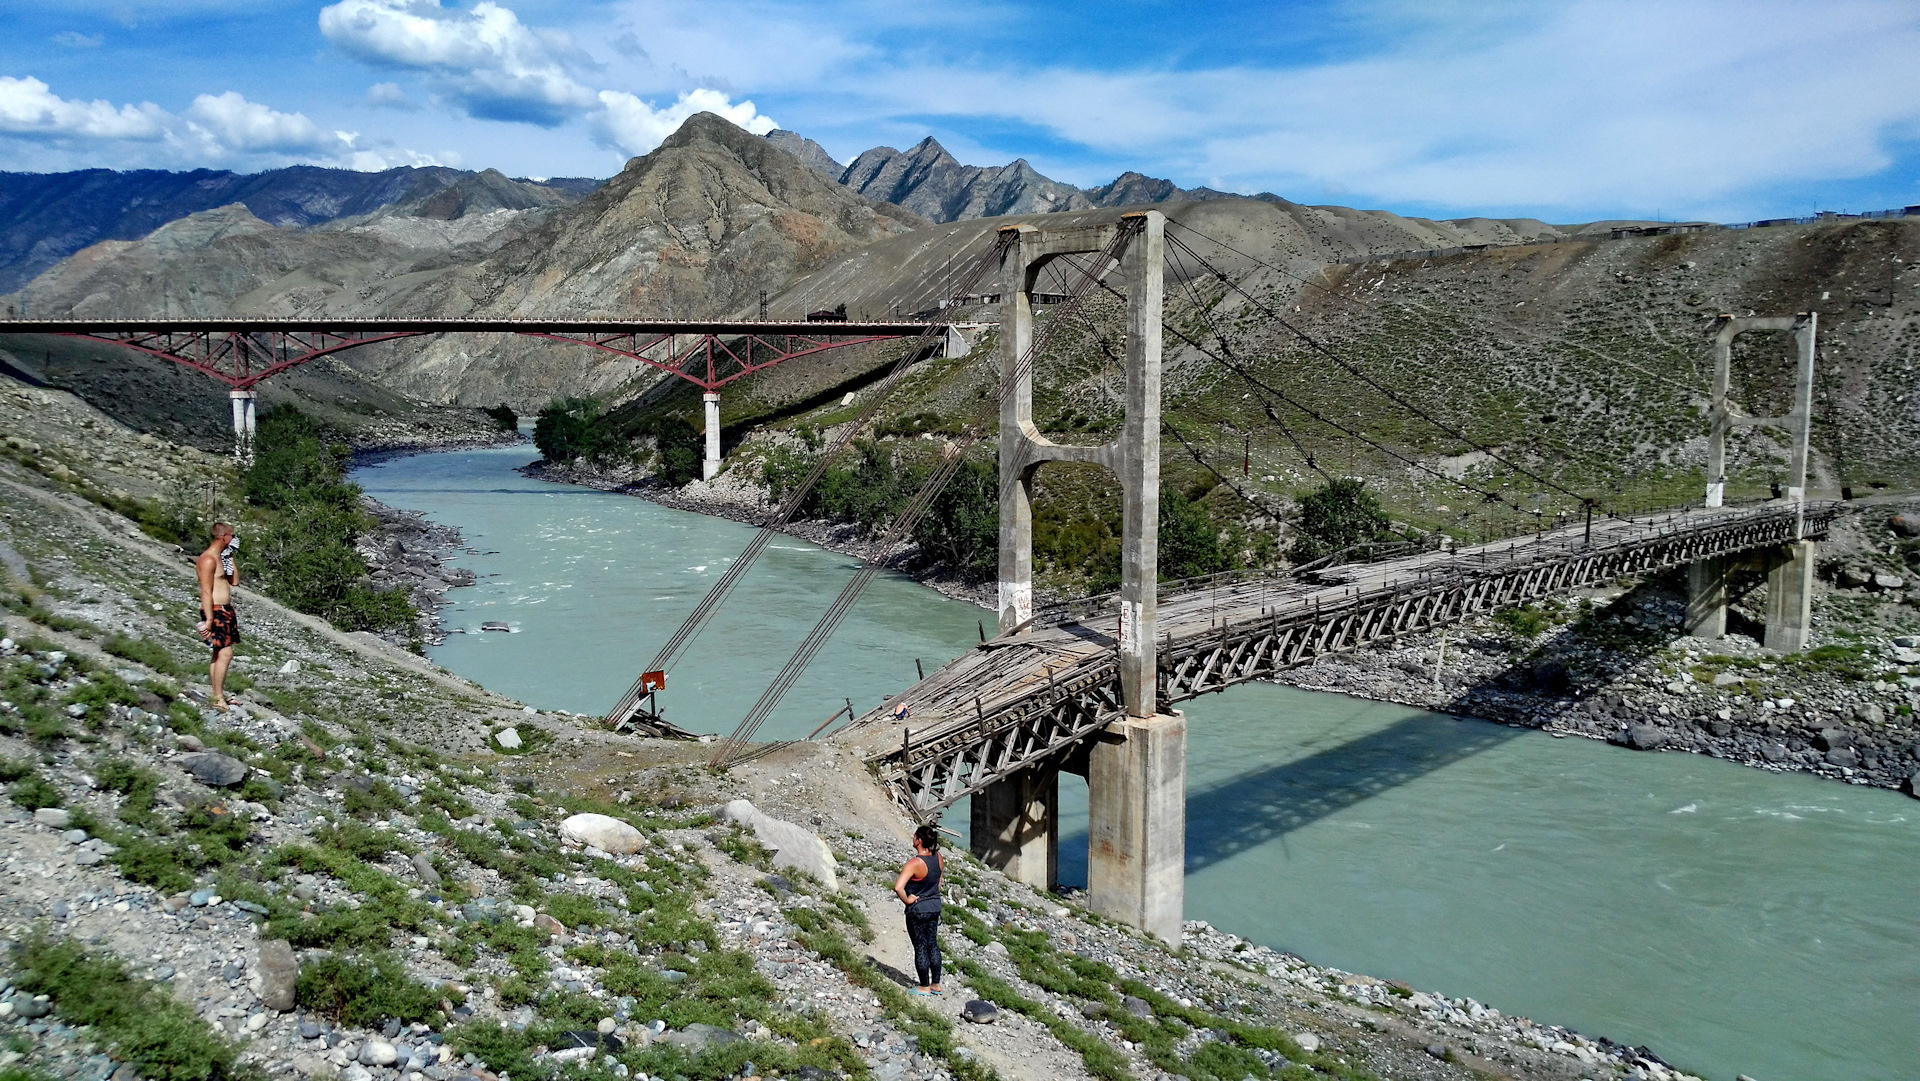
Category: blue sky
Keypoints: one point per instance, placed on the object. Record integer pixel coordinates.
(1568, 112)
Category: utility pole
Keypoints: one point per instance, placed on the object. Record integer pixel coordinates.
(763, 305)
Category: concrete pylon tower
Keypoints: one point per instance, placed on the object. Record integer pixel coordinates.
(1790, 569)
(1136, 769)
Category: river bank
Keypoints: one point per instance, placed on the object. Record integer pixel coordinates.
(746, 502)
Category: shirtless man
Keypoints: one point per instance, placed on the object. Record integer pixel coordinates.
(219, 623)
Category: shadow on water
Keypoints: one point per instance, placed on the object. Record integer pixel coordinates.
(1265, 805)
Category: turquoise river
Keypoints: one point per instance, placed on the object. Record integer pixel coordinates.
(1732, 920)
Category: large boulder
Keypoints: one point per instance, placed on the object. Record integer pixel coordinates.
(213, 769)
(279, 971)
(1907, 525)
(604, 832)
(794, 848)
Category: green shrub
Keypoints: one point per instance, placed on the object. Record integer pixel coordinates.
(33, 791)
(1335, 516)
(366, 991)
(139, 786)
(1525, 621)
(141, 1022)
(1189, 542)
(504, 416)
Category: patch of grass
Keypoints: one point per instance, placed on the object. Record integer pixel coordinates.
(1100, 1058)
(367, 991)
(575, 910)
(140, 1021)
(145, 652)
(139, 785)
(33, 791)
(1525, 621)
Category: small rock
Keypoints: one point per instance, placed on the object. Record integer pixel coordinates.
(1308, 1041)
(1437, 1050)
(996, 948)
(1869, 713)
(604, 832)
(1907, 525)
(979, 1012)
(607, 1024)
(214, 769)
(1139, 1007)
(1727, 679)
(508, 738)
(1888, 581)
(189, 742)
(1843, 756)
(279, 970)
(355, 1073)
(548, 926)
(310, 1030)
(53, 817)
(291, 668)
(378, 1052)
(200, 898)
(1645, 737)
(423, 866)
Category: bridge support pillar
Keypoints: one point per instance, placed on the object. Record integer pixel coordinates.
(711, 466)
(1137, 823)
(1016, 827)
(1790, 598)
(1707, 599)
(243, 426)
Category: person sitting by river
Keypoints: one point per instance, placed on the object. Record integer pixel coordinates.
(922, 872)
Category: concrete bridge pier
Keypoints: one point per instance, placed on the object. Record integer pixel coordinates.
(1137, 823)
(1706, 616)
(243, 423)
(710, 467)
(1790, 597)
(1016, 827)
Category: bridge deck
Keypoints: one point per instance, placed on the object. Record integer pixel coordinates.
(1025, 698)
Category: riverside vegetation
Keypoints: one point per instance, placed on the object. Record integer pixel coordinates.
(352, 874)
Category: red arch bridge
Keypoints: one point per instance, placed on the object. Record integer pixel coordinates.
(709, 353)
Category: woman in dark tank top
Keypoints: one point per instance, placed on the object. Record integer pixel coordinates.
(918, 888)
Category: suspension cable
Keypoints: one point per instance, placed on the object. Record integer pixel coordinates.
(683, 637)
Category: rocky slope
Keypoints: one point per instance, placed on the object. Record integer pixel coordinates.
(45, 217)
(371, 869)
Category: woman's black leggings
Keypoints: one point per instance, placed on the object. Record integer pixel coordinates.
(924, 930)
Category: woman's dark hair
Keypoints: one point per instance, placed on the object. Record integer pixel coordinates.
(928, 837)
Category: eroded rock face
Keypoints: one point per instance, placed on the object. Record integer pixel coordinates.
(604, 832)
(794, 847)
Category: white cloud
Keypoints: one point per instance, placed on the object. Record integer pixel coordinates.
(389, 96)
(28, 107)
(250, 127)
(74, 39)
(634, 127)
(1690, 106)
(484, 61)
(42, 130)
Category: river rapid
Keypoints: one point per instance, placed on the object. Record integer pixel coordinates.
(1733, 921)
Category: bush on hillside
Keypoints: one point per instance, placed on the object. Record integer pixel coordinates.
(1189, 544)
(565, 430)
(299, 540)
(504, 416)
(1336, 516)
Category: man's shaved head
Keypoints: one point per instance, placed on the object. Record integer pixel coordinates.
(222, 529)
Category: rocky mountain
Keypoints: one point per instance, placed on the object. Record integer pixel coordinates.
(812, 154)
(697, 228)
(928, 181)
(933, 184)
(45, 217)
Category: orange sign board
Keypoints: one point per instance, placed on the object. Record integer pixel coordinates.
(653, 681)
